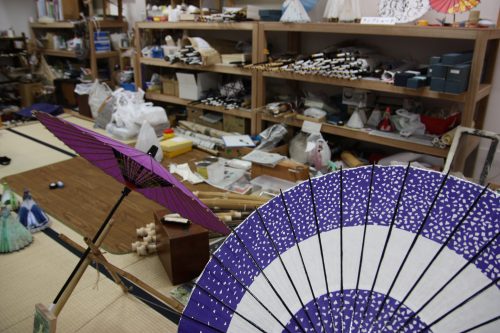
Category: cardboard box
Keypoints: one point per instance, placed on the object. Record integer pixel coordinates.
(232, 123)
(195, 86)
(437, 84)
(195, 115)
(456, 58)
(242, 151)
(170, 86)
(183, 249)
(459, 73)
(286, 169)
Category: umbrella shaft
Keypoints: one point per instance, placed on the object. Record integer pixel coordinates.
(84, 262)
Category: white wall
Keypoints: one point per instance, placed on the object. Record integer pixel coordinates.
(15, 14)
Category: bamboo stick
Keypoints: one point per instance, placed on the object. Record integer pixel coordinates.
(231, 204)
(228, 195)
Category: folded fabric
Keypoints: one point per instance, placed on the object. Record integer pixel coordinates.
(52, 109)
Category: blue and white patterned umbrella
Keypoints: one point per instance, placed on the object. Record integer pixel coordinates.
(370, 249)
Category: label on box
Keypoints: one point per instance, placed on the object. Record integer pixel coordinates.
(311, 127)
(378, 20)
(454, 71)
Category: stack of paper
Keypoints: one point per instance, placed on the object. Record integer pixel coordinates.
(261, 157)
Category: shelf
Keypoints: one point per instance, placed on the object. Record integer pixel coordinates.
(110, 54)
(109, 24)
(364, 136)
(212, 68)
(54, 25)
(400, 30)
(13, 38)
(197, 25)
(59, 53)
(483, 91)
(235, 112)
(368, 85)
(167, 99)
(195, 105)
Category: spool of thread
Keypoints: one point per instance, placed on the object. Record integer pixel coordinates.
(141, 232)
(150, 225)
(151, 248)
(349, 159)
(142, 250)
(151, 232)
(150, 239)
(422, 23)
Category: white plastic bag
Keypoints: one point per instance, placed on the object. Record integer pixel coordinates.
(98, 93)
(154, 115)
(146, 139)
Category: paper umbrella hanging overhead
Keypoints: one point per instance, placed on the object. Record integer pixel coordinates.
(453, 6)
(370, 249)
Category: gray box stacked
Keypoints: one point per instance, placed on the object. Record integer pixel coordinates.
(450, 72)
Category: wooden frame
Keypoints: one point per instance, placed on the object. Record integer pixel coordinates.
(474, 100)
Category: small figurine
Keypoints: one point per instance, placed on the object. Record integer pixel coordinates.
(9, 198)
(386, 124)
(13, 235)
(31, 215)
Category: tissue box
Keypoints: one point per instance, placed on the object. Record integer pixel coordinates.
(195, 86)
(176, 146)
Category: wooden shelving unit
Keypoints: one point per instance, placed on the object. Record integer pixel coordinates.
(473, 101)
(93, 25)
(249, 27)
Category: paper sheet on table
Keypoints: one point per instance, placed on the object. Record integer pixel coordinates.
(261, 157)
(238, 141)
(232, 176)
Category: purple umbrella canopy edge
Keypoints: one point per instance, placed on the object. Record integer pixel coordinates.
(122, 162)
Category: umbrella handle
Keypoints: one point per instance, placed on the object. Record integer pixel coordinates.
(81, 266)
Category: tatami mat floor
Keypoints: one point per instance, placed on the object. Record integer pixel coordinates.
(36, 273)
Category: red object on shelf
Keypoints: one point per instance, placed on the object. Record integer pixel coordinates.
(453, 6)
(439, 125)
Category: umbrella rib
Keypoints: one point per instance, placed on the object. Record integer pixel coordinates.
(221, 264)
(386, 242)
(250, 255)
(341, 215)
(470, 261)
(482, 324)
(318, 233)
(414, 241)
(387, 238)
(201, 323)
(227, 306)
(355, 305)
(464, 302)
(276, 251)
(442, 247)
(283, 201)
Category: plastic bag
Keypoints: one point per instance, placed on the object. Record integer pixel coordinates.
(98, 93)
(105, 113)
(298, 147)
(271, 136)
(146, 139)
(154, 115)
(320, 154)
(121, 133)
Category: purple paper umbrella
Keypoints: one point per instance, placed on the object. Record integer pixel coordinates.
(369, 249)
(137, 171)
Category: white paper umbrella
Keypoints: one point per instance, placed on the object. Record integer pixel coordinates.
(403, 10)
(370, 249)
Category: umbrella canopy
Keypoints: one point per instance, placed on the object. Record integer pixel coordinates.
(135, 169)
(453, 6)
(369, 249)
